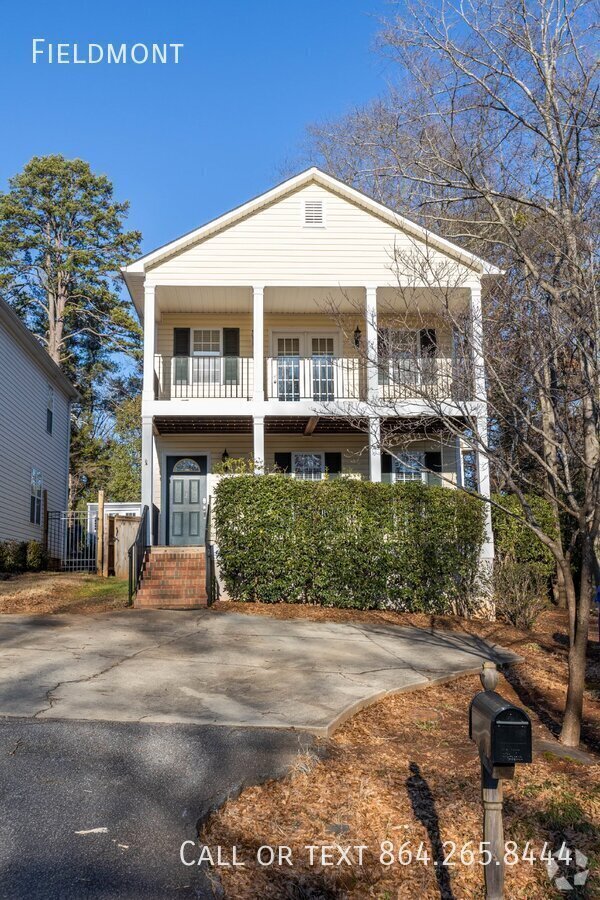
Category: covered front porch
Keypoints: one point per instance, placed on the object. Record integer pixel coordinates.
(191, 453)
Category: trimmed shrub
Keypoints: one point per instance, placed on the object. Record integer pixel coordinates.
(36, 557)
(13, 556)
(346, 543)
(515, 541)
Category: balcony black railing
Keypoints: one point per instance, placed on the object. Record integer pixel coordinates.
(319, 379)
(203, 377)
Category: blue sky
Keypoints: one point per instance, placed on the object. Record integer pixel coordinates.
(185, 142)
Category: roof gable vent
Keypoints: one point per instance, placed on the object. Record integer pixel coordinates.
(313, 213)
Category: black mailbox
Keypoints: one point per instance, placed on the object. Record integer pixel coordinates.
(501, 731)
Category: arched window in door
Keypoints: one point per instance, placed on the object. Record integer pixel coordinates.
(185, 465)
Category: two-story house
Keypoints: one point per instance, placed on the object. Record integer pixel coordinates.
(35, 400)
(243, 358)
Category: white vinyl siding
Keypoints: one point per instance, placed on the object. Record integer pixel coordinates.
(25, 442)
(274, 246)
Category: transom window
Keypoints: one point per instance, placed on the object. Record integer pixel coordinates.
(288, 346)
(186, 465)
(322, 346)
(206, 341)
(409, 467)
(308, 466)
(35, 504)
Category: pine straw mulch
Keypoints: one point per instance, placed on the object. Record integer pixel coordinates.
(405, 770)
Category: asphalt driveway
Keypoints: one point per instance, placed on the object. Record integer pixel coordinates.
(100, 809)
(214, 668)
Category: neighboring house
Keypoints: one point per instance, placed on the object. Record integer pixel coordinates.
(35, 401)
(241, 358)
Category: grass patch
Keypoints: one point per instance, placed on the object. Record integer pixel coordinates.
(97, 589)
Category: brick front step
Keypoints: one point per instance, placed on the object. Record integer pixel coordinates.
(171, 603)
(173, 578)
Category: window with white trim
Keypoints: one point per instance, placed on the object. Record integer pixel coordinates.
(206, 353)
(35, 502)
(308, 466)
(206, 341)
(409, 467)
(314, 213)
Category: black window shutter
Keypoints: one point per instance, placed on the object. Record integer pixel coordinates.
(386, 467)
(231, 350)
(283, 461)
(333, 463)
(433, 463)
(181, 342)
(428, 342)
(383, 355)
(231, 342)
(181, 351)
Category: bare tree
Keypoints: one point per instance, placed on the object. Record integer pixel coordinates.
(491, 139)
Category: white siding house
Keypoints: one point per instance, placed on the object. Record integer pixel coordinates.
(243, 359)
(35, 399)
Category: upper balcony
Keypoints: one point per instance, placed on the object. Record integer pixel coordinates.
(294, 379)
(286, 349)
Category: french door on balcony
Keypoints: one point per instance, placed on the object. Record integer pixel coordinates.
(322, 350)
(305, 366)
(287, 349)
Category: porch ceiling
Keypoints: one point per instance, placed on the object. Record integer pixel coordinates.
(203, 424)
(297, 425)
(186, 299)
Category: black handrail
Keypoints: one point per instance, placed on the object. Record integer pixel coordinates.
(137, 555)
(208, 553)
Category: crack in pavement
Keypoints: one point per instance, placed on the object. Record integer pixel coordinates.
(51, 701)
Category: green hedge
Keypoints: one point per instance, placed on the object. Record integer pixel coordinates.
(513, 540)
(347, 543)
(21, 556)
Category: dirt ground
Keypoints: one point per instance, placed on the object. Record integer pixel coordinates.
(404, 770)
(45, 593)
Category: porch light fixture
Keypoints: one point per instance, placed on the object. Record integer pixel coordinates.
(357, 337)
(225, 455)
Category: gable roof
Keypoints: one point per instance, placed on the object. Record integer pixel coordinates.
(309, 176)
(23, 336)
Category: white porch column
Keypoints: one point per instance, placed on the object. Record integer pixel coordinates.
(147, 469)
(371, 345)
(477, 339)
(258, 342)
(480, 398)
(460, 470)
(149, 341)
(483, 480)
(374, 448)
(259, 444)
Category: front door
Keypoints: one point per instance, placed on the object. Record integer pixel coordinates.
(187, 501)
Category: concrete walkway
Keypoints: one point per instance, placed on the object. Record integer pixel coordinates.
(213, 668)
